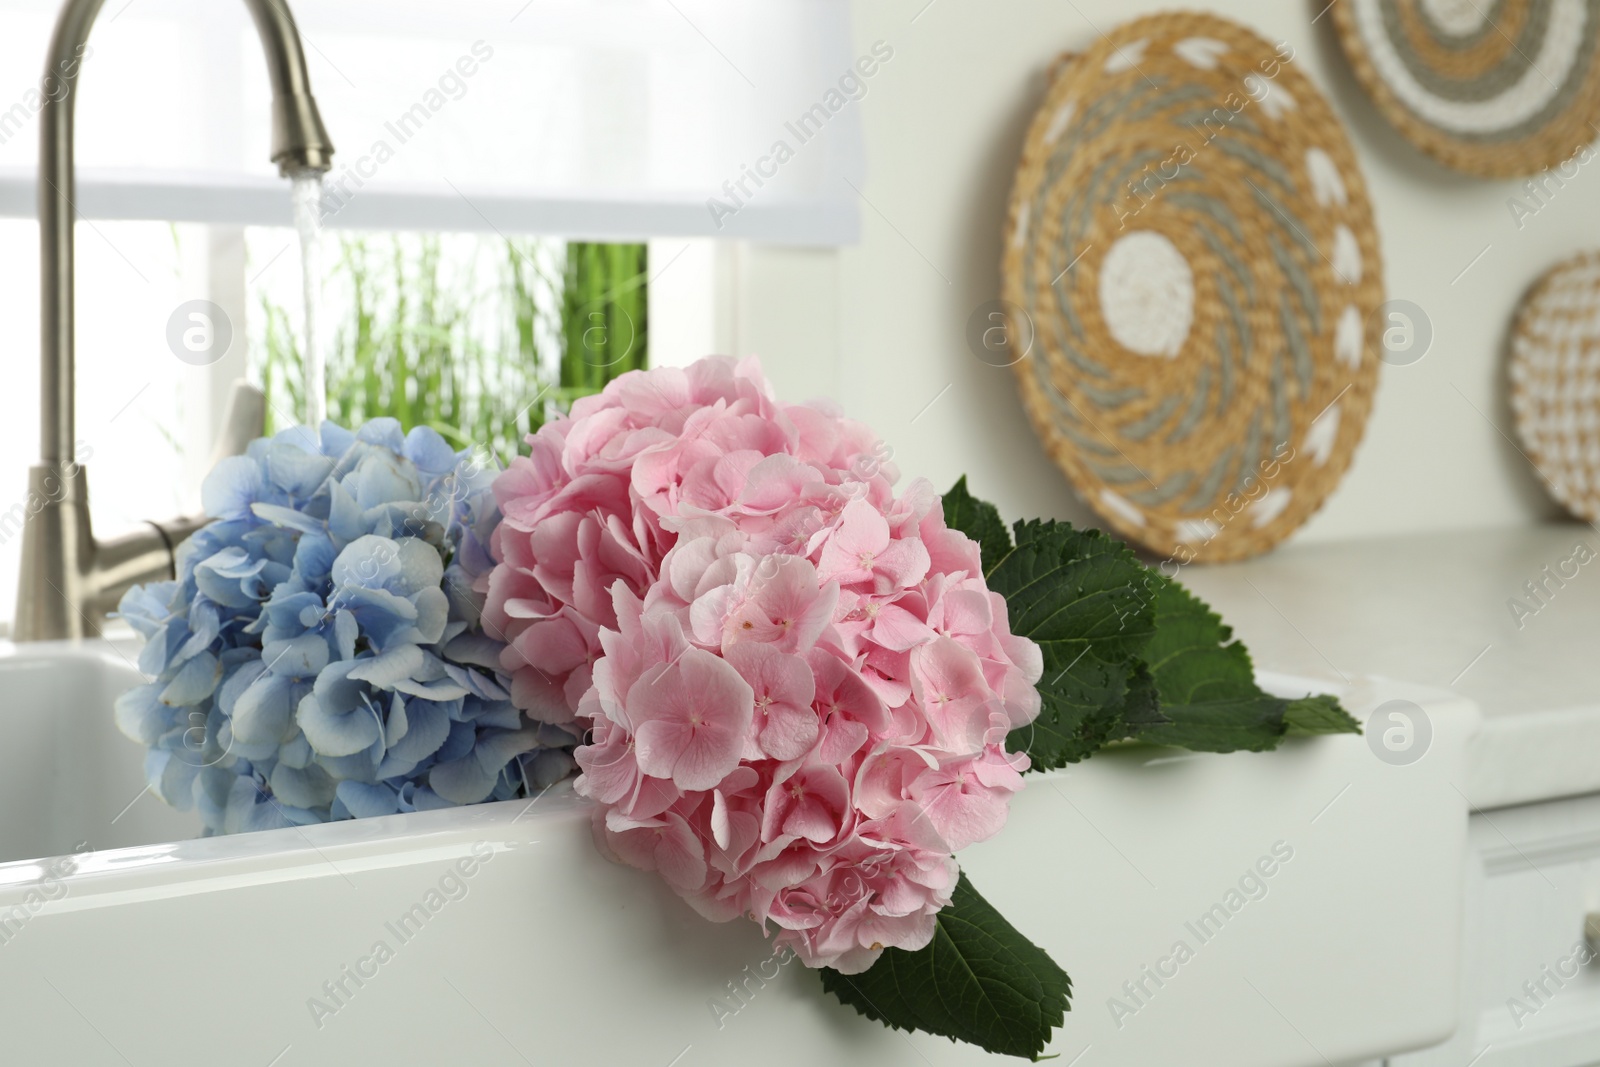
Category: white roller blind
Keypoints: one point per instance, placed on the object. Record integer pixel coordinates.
(603, 119)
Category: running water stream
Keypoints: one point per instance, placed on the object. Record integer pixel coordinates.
(308, 222)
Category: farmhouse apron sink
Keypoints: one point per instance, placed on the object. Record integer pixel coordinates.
(1296, 908)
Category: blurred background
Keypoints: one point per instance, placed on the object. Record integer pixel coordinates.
(578, 171)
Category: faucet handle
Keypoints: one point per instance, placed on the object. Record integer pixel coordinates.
(244, 420)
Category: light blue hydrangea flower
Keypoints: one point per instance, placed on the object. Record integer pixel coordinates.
(321, 654)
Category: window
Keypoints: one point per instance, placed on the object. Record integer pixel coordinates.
(475, 140)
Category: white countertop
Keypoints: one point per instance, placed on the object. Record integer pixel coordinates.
(1435, 609)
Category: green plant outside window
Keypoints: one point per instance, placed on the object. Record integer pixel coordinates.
(482, 340)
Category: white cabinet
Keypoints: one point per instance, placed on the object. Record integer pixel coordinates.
(1530, 996)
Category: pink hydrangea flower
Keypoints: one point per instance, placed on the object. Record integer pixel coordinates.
(798, 685)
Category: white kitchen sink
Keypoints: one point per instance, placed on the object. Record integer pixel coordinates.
(509, 939)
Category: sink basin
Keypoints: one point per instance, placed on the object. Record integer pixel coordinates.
(68, 778)
(497, 933)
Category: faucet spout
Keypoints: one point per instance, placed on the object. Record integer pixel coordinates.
(66, 574)
(299, 142)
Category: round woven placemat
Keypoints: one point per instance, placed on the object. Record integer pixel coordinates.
(1555, 381)
(1191, 238)
(1495, 88)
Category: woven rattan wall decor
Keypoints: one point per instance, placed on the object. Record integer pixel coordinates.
(1190, 235)
(1555, 381)
(1495, 88)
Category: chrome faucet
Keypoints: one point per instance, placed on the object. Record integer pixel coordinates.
(70, 580)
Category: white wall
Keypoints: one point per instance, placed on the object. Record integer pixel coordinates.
(944, 121)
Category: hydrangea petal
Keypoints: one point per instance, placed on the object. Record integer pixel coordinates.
(307, 787)
(367, 800)
(335, 731)
(195, 681)
(427, 727)
(231, 487)
(141, 715)
(264, 712)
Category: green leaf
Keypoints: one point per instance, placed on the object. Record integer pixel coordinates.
(1253, 724)
(1208, 689)
(979, 981)
(1127, 652)
(1084, 598)
(1081, 709)
(979, 520)
(1142, 707)
(1206, 683)
(1319, 714)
